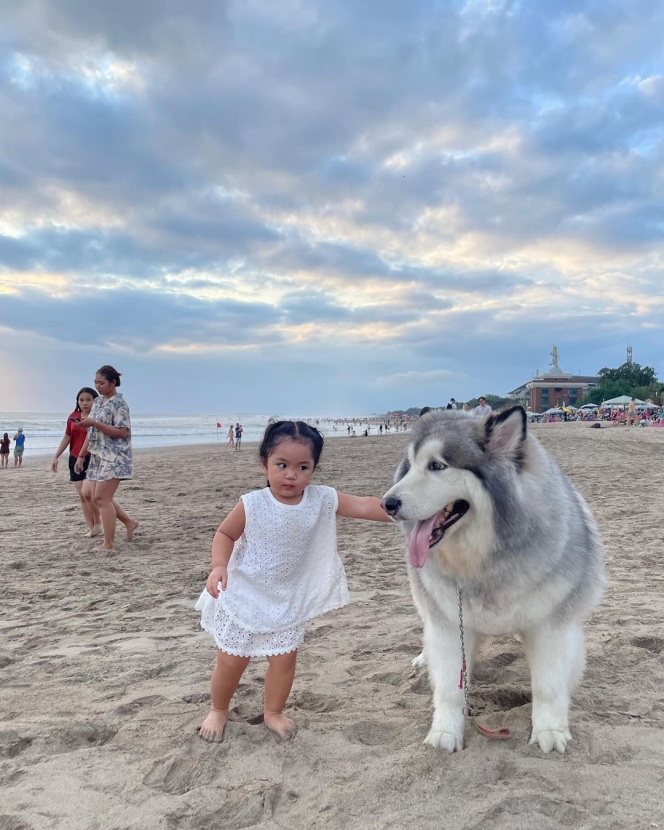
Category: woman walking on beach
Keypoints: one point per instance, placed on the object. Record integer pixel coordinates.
(74, 438)
(230, 436)
(4, 451)
(109, 445)
(275, 566)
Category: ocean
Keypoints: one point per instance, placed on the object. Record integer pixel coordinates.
(44, 431)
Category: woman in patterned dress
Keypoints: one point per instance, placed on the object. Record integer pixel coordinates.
(109, 445)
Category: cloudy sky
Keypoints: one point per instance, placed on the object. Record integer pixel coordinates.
(326, 207)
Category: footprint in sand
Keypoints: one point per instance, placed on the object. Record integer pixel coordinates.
(654, 644)
(177, 775)
(371, 733)
(507, 697)
(12, 743)
(134, 706)
(314, 702)
(78, 736)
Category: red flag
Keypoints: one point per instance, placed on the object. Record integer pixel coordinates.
(218, 425)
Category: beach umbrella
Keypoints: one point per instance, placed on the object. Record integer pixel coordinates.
(621, 400)
(553, 411)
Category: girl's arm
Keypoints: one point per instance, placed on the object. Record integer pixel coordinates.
(63, 445)
(228, 532)
(80, 460)
(361, 507)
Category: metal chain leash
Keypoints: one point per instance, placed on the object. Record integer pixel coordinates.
(463, 677)
(499, 734)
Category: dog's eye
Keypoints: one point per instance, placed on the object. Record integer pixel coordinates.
(437, 465)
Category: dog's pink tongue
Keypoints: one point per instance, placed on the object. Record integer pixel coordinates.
(418, 544)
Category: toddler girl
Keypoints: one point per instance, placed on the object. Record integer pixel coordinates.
(275, 566)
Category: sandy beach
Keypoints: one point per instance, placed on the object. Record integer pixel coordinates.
(105, 671)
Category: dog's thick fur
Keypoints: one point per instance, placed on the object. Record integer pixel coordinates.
(526, 554)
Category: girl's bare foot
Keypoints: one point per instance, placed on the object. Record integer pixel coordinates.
(283, 726)
(94, 531)
(103, 547)
(131, 527)
(212, 728)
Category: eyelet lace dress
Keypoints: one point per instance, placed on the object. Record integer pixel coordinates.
(284, 570)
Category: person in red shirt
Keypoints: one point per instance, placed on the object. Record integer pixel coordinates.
(74, 438)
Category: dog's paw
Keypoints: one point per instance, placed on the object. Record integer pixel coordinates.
(549, 739)
(419, 662)
(450, 741)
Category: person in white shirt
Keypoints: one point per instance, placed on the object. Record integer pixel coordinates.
(482, 407)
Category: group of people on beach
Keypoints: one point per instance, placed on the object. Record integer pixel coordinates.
(234, 435)
(19, 447)
(98, 434)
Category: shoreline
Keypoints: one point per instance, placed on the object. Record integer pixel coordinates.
(41, 453)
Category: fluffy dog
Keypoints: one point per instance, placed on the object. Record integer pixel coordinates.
(484, 507)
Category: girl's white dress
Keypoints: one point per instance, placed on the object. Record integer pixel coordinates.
(283, 571)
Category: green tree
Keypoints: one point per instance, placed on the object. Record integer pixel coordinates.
(629, 379)
(634, 374)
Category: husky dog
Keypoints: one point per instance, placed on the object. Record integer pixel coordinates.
(485, 508)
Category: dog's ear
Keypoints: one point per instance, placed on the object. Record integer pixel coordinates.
(505, 433)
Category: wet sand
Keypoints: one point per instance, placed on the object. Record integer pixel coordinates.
(105, 671)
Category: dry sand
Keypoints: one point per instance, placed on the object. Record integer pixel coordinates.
(105, 671)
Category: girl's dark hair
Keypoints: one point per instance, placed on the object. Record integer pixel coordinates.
(110, 374)
(90, 391)
(5, 437)
(296, 431)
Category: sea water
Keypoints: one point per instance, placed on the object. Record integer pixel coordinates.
(44, 431)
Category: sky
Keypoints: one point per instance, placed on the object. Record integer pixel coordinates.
(326, 207)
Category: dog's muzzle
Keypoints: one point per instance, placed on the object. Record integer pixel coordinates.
(391, 505)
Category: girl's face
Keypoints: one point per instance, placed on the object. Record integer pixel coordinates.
(85, 400)
(289, 468)
(103, 386)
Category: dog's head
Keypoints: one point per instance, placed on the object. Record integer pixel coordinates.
(443, 487)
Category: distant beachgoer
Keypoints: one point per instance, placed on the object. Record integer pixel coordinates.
(19, 447)
(451, 404)
(230, 436)
(482, 407)
(465, 408)
(74, 438)
(238, 436)
(274, 567)
(4, 451)
(109, 445)
(631, 412)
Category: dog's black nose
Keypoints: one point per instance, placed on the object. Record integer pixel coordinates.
(392, 505)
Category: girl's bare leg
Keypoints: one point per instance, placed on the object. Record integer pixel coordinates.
(125, 518)
(88, 508)
(225, 678)
(104, 492)
(88, 493)
(278, 683)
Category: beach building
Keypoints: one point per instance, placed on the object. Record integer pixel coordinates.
(554, 388)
